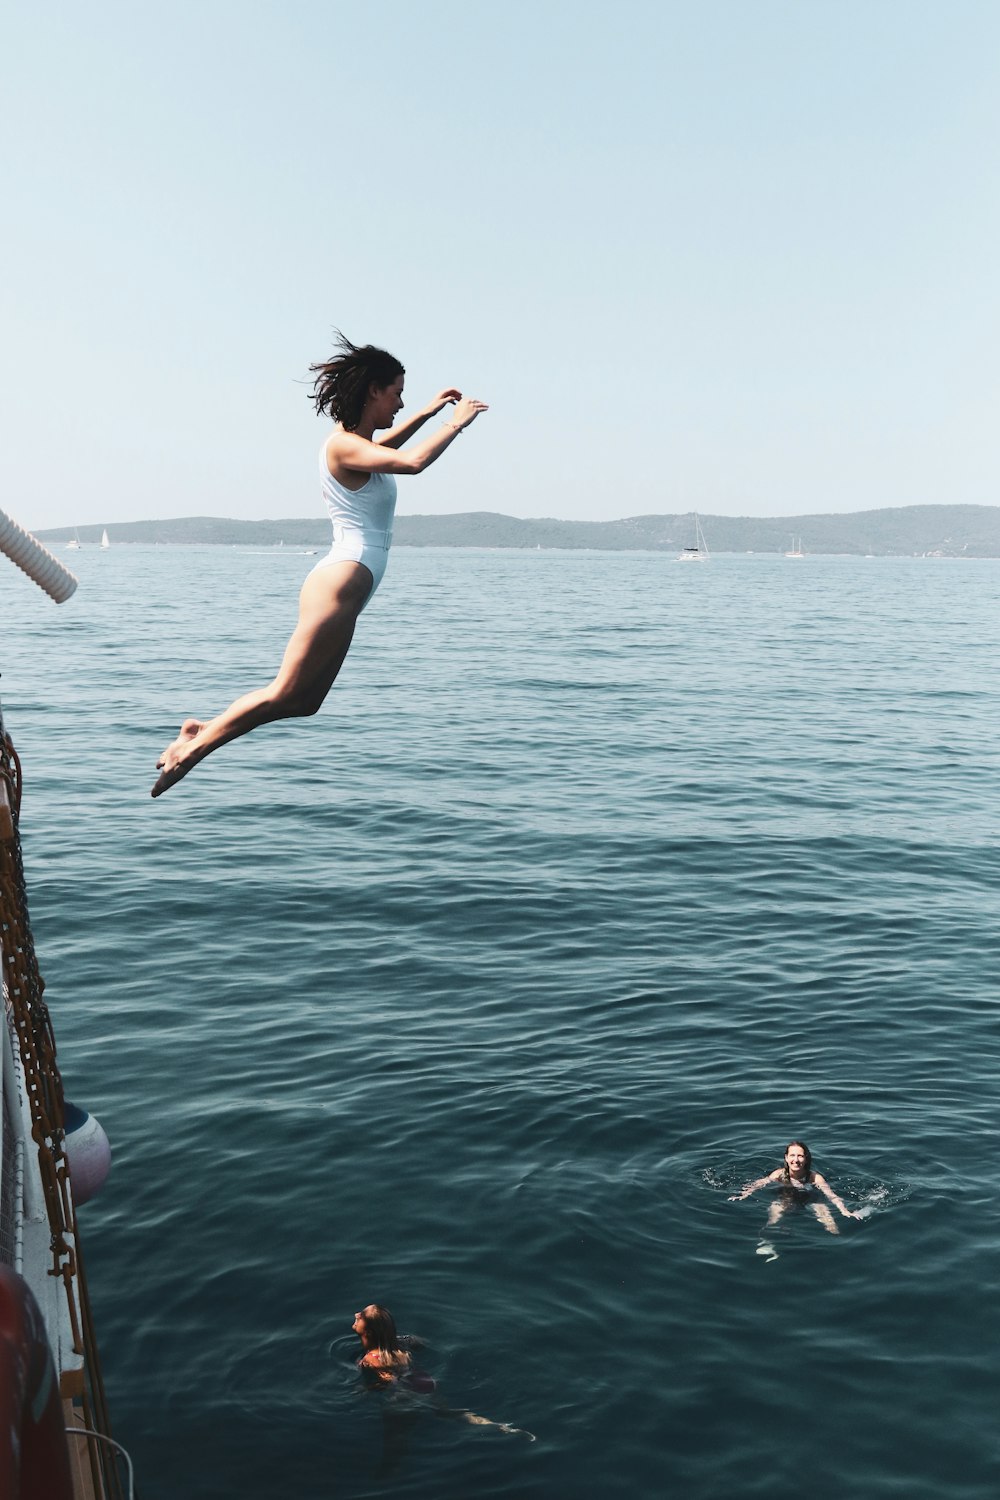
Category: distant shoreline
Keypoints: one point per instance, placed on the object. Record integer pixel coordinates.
(295, 549)
(904, 531)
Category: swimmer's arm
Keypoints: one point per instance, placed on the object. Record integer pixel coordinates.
(828, 1192)
(386, 1361)
(386, 1367)
(354, 452)
(372, 1362)
(752, 1187)
(398, 435)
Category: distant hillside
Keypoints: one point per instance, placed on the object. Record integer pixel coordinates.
(937, 530)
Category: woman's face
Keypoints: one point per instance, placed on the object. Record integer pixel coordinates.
(795, 1160)
(388, 401)
(360, 1328)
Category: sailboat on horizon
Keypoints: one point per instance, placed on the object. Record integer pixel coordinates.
(796, 548)
(699, 552)
(105, 540)
(74, 544)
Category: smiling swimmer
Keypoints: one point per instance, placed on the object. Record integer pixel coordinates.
(799, 1185)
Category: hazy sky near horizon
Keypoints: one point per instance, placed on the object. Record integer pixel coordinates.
(728, 256)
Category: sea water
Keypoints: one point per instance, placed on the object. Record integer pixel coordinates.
(596, 881)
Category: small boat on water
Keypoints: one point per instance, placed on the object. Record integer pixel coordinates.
(74, 544)
(796, 549)
(105, 540)
(699, 552)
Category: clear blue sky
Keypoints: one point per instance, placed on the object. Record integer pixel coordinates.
(733, 256)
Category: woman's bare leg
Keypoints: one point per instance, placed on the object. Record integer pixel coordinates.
(775, 1210)
(825, 1217)
(329, 605)
(459, 1414)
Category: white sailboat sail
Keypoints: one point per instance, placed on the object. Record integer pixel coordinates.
(699, 552)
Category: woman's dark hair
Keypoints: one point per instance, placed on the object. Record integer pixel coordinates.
(380, 1326)
(808, 1155)
(342, 384)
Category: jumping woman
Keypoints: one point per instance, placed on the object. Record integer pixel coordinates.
(362, 390)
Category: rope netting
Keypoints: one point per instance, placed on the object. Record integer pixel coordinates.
(32, 1028)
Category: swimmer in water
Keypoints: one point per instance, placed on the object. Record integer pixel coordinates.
(385, 1357)
(362, 390)
(387, 1361)
(799, 1184)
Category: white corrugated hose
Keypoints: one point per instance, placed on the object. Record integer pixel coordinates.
(35, 560)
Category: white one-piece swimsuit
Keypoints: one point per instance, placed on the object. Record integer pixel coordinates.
(362, 521)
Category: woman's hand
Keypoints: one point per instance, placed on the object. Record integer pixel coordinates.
(443, 399)
(467, 411)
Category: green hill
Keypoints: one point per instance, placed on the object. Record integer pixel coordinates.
(937, 530)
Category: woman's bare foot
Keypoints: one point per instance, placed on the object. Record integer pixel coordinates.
(170, 777)
(188, 730)
(175, 764)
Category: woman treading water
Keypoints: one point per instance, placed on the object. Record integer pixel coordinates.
(362, 390)
(387, 1362)
(799, 1185)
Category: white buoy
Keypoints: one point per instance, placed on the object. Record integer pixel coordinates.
(89, 1152)
(35, 560)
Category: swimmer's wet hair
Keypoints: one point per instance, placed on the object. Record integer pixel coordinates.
(380, 1325)
(342, 384)
(809, 1158)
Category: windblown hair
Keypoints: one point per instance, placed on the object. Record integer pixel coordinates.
(381, 1328)
(342, 384)
(808, 1155)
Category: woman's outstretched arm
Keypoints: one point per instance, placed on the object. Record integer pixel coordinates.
(828, 1192)
(752, 1187)
(349, 451)
(403, 431)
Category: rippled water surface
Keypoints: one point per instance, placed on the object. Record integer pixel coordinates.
(596, 881)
